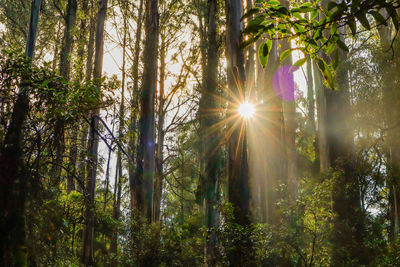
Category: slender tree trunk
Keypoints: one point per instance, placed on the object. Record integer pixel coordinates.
(238, 172)
(391, 98)
(210, 134)
(108, 168)
(160, 137)
(81, 163)
(118, 174)
(65, 65)
(310, 99)
(146, 160)
(348, 217)
(13, 175)
(93, 143)
(134, 108)
(287, 87)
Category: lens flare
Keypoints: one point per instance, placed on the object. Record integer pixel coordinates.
(247, 110)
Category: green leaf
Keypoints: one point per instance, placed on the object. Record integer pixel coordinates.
(263, 53)
(321, 64)
(363, 20)
(302, 10)
(353, 26)
(274, 2)
(342, 45)
(285, 54)
(378, 17)
(328, 76)
(251, 12)
(331, 48)
(335, 61)
(334, 28)
(307, 4)
(300, 62)
(314, 14)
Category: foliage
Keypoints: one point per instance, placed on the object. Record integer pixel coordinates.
(314, 28)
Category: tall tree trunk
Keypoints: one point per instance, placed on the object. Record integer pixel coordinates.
(65, 65)
(81, 162)
(348, 223)
(160, 137)
(93, 143)
(145, 159)
(118, 174)
(238, 172)
(13, 175)
(287, 89)
(391, 100)
(210, 135)
(310, 99)
(134, 107)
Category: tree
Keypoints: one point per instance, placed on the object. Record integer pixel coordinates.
(145, 158)
(65, 65)
(209, 130)
(93, 143)
(238, 173)
(13, 176)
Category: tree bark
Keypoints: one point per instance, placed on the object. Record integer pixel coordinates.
(65, 65)
(145, 160)
(391, 99)
(210, 139)
(93, 143)
(118, 174)
(160, 137)
(134, 108)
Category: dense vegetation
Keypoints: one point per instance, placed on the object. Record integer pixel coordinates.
(199, 133)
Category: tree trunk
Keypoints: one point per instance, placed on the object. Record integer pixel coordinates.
(65, 64)
(145, 158)
(348, 223)
(210, 134)
(238, 172)
(13, 175)
(391, 102)
(160, 137)
(118, 174)
(93, 143)
(287, 89)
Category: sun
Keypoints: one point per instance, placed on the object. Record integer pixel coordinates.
(247, 110)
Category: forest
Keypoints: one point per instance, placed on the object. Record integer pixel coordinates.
(199, 133)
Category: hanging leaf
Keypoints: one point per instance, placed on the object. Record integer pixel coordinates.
(314, 14)
(263, 54)
(353, 26)
(361, 16)
(342, 45)
(285, 54)
(274, 2)
(300, 62)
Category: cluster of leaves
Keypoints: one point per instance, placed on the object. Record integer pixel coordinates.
(315, 28)
(50, 93)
